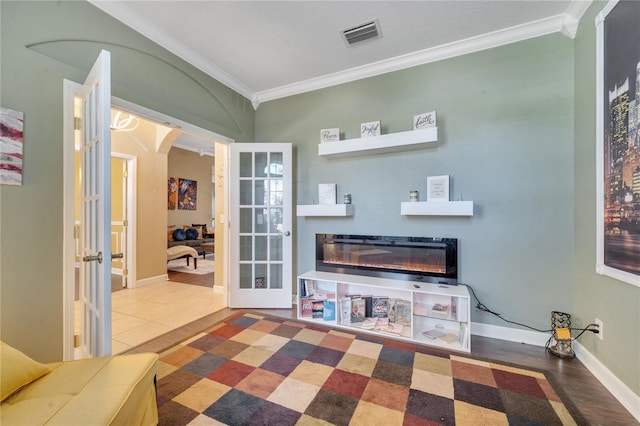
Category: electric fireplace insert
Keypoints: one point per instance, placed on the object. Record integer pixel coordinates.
(423, 259)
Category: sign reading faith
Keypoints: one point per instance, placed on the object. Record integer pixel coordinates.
(424, 120)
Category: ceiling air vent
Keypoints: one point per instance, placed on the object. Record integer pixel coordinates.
(362, 32)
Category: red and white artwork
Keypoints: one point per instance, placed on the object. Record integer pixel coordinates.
(11, 141)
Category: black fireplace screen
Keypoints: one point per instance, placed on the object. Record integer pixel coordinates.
(410, 258)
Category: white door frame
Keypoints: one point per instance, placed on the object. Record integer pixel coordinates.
(132, 176)
(68, 242)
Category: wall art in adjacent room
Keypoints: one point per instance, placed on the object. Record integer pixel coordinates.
(172, 193)
(187, 194)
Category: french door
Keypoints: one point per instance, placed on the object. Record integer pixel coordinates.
(95, 194)
(260, 227)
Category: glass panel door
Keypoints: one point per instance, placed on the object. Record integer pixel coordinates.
(261, 218)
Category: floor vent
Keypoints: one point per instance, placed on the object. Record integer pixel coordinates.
(362, 32)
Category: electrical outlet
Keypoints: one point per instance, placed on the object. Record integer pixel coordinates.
(600, 328)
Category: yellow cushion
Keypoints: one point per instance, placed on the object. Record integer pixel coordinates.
(17, 369)
(116, 390)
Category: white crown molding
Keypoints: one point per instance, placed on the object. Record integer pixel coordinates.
(201, 152)
(566, 24)
(470, 45)
(618, 389)
(572, 17)
(122, 13)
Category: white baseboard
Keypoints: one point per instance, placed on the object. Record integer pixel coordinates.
(618, 389)
(151, 280)
(511, 334)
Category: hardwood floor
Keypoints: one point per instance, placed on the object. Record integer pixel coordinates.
(205, 280)
(596, 404)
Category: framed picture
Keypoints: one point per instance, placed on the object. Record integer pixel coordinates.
(11, 140)
(172, 193)
(438, 188)
(618, 141)
(187, 194)
(327, 193)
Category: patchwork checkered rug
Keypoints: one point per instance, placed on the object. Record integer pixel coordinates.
(262, 370)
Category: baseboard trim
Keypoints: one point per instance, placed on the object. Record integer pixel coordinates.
(511, 334)
(618, 389)
(613, 384)
(151, 280)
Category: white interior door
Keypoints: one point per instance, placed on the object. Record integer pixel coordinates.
(95, 192)
(260, 227)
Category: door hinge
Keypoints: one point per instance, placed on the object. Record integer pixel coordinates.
(77, 123)
(76, 232)
(125, 272)
(76, 340)
(125, 174)
(125, 223)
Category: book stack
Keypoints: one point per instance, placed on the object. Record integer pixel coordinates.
(381, 324)
(316, 303)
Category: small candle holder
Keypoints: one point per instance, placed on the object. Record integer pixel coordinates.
(346, 199)
(413, 196)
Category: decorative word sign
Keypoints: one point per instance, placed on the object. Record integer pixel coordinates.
(438, 188)
(330, 135)
(371, 128)
(424, 120)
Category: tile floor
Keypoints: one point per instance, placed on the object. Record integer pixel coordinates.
(141, 314)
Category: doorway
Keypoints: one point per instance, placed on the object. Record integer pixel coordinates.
(158, 146)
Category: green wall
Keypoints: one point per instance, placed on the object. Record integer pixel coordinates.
(616, 303)
(505, 126)
(506, 137)
(516, 135)
(43, 43)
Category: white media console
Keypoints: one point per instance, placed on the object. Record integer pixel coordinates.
(431, 314)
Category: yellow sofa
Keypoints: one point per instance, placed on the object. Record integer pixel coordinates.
(116, 390)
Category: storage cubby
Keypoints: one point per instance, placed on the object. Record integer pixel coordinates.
(431, 314)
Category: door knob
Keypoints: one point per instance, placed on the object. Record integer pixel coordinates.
(93, 258)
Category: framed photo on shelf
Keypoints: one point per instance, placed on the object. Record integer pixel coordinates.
(618, 141)
(438, 188)
(327, 193)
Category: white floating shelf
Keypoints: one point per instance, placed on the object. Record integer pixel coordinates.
(437, 208)
(393, 142)
(325, 210)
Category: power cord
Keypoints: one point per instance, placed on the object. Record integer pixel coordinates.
(482, 307)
